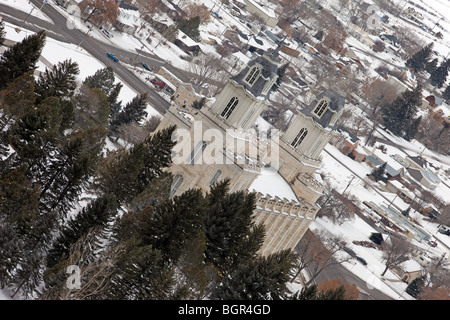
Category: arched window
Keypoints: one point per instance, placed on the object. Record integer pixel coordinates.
(321, 107)
(176, 184)
(252, 75)
(299, 138)
(230, 107)
(197, 152)
(215, 177)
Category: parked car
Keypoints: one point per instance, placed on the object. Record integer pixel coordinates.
(444, 230)
(349, 251)
(159, 84)
(145, 66)
(112, 57)
(364, 262)
(106, 33)
(432, 243)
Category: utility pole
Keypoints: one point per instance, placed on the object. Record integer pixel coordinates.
(348, 185)
(29, 14)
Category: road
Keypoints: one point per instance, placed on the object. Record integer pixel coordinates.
(59, 31)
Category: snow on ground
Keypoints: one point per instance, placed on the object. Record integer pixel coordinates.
(26, 6)
(56, 51)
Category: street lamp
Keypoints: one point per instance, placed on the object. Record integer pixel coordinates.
(142, 48)
(29, 14)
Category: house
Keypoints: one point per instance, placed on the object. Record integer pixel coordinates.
(172, 10)
(268, 14)
(188, 45)
(394, 170)
(391, 40)
(400, 160)
(129, 19)
(425, 177)
(67, 3)
(408, 270)
(348, 144)
(376, 238)
(438, 109)
(182, 92)
(290, 51)
(400, 190)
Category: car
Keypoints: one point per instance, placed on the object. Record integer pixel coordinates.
(112, 57)
(349, 251)
(364, 262)
(106, 33)
(146, 66)
(432, 243)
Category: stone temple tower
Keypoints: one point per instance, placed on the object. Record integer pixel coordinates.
(246, 94)
(228, 117)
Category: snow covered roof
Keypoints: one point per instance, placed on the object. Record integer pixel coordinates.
(129, 16)
(272, 183)
(268, 11)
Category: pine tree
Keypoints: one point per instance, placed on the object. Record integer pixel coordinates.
(420, 59)
(29, 274)
(312, 293)
(190, 27)
(134, 111)
(114, 94)
(412, 128)
(96, 214)
(18, 200)
(229, 227)
(91, 108)
(378, 173)
(140, 274)
(11, 246)
(21, 58)
(439, 76)
(415, 287)
(34, 133)
(174, 224)
(281, 72)
(17, 98)
(263, 278)
(431, 66)
(60, 81)
(126, 173)
(398, 115)
(102, 79)
(67, 172)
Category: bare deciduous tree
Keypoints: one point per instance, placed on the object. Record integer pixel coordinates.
(95, 272)
(315, 252)
(395, 251)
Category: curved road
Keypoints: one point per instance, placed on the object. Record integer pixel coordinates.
(59, 31)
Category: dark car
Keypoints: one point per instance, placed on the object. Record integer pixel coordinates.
(112, 56)
(349, 251)
(145, 66)
(364, 262)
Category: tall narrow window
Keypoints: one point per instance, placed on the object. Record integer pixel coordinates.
(321, 107)
(215, 177)
(230, 107)
(252, 75)
(176, 184)
(197, 152)
(299, 138)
